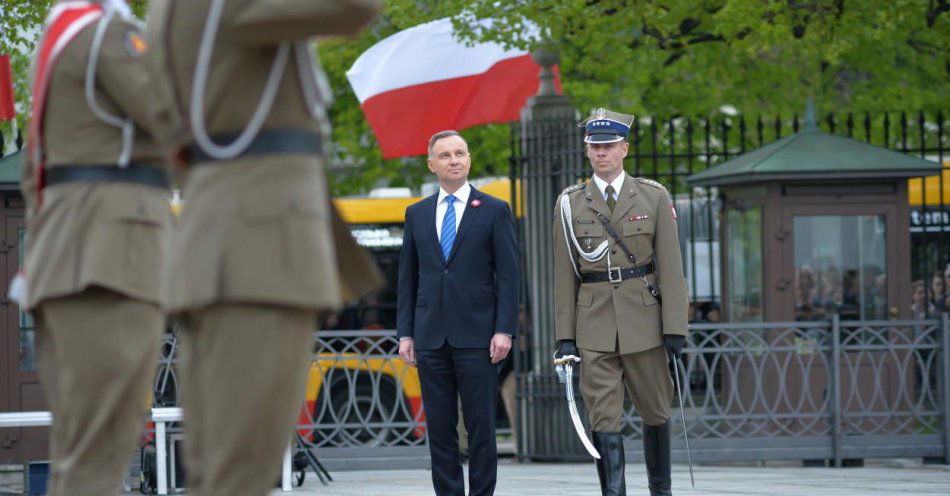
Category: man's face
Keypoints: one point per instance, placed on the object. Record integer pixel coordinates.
(607, 158)
(450, 160)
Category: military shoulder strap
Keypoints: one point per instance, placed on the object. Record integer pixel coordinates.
(651, 182)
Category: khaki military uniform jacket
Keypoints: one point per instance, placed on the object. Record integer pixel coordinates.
(256, 228)
(84, 234)
(601, 315)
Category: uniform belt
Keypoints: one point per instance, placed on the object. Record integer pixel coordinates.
(135, 173)
(617, 274)
(267, 142)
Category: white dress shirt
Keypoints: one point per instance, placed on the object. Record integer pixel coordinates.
(617, 183)
(461, 198)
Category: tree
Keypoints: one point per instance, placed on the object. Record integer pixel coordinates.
(692, 57)
(651, 57)
(20, 25)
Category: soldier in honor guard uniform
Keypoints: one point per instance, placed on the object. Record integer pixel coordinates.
(97, 224)
(620, 299)
(260, 251)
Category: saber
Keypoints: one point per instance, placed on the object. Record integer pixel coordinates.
(565, 373)
(689, 458)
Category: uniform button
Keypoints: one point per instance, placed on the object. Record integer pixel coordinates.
(638, 229)
(445, 271)
(613, 252)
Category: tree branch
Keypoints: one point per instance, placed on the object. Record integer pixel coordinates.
(941, 7)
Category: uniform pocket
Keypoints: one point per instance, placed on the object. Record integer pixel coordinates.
(282, 201)
(585, 296)
(588, 230)
(638, 236)
(585, 299)
(138, 231)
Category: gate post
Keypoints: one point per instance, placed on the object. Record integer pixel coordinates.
(945, 361)
(836, 433)
(547, 156)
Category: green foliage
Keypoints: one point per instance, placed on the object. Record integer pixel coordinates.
(648, 57)
(691, 57)
(20, 24)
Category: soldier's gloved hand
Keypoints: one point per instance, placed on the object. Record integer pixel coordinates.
(566, 347)
(674, 344)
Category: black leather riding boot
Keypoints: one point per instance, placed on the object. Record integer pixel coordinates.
(610, 467)
(656, 452)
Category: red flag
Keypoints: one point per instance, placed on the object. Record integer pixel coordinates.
(422, 80)
(7, 110)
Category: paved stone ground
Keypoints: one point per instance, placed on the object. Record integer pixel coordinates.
(878, 478)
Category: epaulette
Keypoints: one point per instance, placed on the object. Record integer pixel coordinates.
(651, 182)
(572, 188)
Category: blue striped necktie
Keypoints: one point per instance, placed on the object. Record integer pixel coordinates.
(448, 227)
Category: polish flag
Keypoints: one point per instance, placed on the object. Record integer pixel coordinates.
(423, 80)
(7, 110)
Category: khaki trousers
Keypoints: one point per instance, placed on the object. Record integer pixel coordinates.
(243, 370)
(647, 379)
(97, 353)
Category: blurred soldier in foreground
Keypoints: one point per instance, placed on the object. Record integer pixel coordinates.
(260, 251)
(616, 249)
(98, 222)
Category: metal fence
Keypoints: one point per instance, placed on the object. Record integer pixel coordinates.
(362, 405)
(829, 391)
(550, 155)
(547, 155)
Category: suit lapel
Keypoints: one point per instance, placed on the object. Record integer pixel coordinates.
(626, 199)
(595, 199)
(468, 216)
(429, 223)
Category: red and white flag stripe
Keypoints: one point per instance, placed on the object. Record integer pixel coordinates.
(7, 108)
(423, 80)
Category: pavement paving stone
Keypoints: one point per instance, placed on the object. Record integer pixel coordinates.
(879, 478)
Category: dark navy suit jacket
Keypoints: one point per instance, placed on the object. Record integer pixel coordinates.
(466, 299)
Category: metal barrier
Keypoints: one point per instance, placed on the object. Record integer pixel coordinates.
(362, 407)
(831, 390)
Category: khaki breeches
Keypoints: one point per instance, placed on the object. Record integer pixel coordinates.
(243, 370)
(647, 379)
(97, 354)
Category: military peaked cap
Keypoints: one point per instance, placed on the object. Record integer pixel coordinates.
(605, 126)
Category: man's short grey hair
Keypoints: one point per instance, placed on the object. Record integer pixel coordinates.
(443, 134)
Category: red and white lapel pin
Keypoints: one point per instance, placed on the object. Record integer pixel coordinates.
(640, 217)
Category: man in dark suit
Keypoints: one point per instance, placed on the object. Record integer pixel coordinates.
(458, 312)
